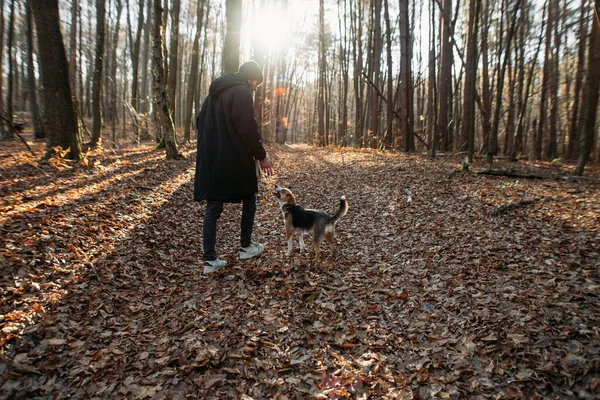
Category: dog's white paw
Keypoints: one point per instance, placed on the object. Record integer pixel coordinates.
(288, 253)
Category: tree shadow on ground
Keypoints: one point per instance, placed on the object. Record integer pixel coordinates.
(46, 243)
(432, 297)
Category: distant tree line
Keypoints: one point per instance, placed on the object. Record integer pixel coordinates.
(511, 78)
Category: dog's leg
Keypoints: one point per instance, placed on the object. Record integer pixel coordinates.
(289, 237)
(316, 246)
(289, 234)
(317, 239)
(319, 233)
(329, 238)
(301, 241)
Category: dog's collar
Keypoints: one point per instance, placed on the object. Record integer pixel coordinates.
(285, 206)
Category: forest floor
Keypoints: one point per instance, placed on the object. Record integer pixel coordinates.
(448, 296)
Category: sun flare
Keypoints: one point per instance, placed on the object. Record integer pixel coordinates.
(271, 28)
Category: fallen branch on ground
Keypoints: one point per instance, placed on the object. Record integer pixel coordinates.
(509, 207)
(498, 172)
(15, 131)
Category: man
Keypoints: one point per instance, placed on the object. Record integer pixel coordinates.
(228, 145)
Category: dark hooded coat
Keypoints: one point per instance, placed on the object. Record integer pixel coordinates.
(228, 142)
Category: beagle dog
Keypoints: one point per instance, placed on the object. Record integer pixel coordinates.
(299, 220)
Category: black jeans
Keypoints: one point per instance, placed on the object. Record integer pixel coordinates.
(214, 208)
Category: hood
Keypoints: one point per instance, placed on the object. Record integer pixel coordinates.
(224, 82)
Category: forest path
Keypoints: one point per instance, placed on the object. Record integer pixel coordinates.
(430, 298)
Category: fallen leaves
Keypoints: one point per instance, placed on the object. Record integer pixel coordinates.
(103, 294)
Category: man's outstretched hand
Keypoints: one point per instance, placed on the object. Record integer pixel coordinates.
(266, 165)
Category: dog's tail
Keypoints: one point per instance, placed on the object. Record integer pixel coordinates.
(341, 212)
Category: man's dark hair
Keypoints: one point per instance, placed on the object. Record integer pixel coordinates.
(251, 71)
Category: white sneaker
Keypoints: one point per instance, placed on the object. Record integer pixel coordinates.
(214, 266)
(251, 251)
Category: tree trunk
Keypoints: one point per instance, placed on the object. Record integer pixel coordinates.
(575, 131)
(523, 111)
(388, 136)
(124, 95)
(135, 87)
(431, 84)
(9, 134)
(356, 28)
(406, 98)
(486, 123)
(322, 76)
(73, 50)
(163, 110)
(258, 53)
(213, 63)
(203, 70)
(231, 50)
(113, 72)
(468, 118)
(493, 150)
(375, 64)
(135, 58)
(545, 81)
(81, 89)
(144, 92)
(183, 77)
(591, 91)
(328, 101)
(20, 93)
(59, 116)
(552, 146)
(106, 84)
(36, 120)
(82, 92)
(98, 75)
(344, 63)
(445, 85)
(1, 64)
(194, 71)
(510, 114)
(90, 68)
(174, 57)
(517, 145)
